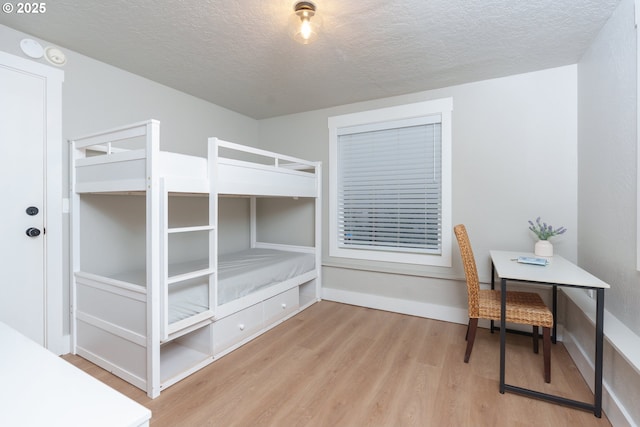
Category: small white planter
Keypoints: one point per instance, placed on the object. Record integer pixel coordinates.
(543, 248)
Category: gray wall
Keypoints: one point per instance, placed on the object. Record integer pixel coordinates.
(286, 221)
(607, 190)
(607, 213)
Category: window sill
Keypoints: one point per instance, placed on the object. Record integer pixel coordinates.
(445, 273)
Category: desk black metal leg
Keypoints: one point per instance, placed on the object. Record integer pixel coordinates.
(493, 286)
(599, 353)
(555, 311)
(503, 330)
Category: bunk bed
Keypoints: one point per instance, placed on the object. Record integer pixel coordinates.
(151, 310)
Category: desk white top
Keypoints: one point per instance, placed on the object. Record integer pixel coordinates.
(38, 388)
(558, 271)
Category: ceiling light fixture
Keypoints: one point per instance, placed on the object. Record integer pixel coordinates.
(304, 29)
(32, 48)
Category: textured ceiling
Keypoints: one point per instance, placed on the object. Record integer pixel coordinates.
(238, 54)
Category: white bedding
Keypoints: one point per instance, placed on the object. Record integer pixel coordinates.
(242, 273)
(239, 274)
(187, 299)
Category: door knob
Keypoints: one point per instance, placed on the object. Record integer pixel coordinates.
(33, 232)
(32, 210)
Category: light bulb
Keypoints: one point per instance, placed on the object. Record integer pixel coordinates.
(304, 22)
(305, 29)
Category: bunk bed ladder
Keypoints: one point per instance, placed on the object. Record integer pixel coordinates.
(168, 278)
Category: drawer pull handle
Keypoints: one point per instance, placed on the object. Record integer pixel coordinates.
(241, 326)
(284, 305)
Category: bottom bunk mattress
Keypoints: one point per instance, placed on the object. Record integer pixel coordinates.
(239, 274)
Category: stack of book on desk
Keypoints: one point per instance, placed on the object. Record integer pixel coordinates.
(532, 260)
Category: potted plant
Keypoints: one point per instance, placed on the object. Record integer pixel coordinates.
(544, 231)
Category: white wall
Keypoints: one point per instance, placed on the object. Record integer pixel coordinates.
(514, 158)
(607, 195)
(98, 96)
(607, 163)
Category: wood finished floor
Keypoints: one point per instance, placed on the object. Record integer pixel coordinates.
(341, 365)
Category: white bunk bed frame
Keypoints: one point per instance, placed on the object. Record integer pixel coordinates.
(123, 326)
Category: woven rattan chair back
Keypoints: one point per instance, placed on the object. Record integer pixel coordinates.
(470, 270)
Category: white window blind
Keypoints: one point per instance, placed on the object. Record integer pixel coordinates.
(390, 186)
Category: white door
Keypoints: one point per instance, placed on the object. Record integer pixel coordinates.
(25, 303)
(22, 303)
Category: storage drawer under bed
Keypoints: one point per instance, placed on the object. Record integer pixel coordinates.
(280, 306)
(237, 327)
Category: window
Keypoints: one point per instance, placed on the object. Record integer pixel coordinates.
(390, 184)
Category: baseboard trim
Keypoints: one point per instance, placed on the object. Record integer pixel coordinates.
(66, 344)
(397, 305)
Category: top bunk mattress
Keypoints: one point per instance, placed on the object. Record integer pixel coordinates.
(244, 272)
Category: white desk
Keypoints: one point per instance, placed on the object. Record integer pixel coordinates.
(38, 388)
(559, 272)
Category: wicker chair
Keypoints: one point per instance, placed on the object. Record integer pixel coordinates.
(522, 307)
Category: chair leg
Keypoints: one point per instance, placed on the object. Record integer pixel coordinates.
(546, 351)
(471, 337)
(536, 338)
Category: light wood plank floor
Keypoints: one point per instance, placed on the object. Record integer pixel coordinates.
(340, 365)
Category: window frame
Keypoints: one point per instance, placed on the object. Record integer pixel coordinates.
(442, 107)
